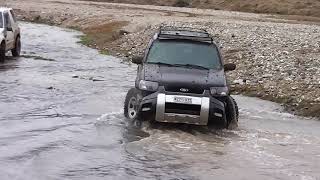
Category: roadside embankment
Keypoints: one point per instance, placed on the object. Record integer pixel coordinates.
(276, 59)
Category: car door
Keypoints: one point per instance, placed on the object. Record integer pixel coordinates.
(9, 31)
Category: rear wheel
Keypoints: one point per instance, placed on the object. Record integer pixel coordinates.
(132, 103)
(232, 113)
(17, 48)
(2, 52)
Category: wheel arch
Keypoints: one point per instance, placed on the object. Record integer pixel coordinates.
(2, 42)
(2, 50)
(17, 36)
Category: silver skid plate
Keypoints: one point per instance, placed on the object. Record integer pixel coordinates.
(162, 116)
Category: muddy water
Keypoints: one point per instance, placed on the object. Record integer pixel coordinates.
(61, 118)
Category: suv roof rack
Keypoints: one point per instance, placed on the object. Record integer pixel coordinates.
(195, 34)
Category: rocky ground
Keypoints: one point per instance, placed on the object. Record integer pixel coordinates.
(276, 59)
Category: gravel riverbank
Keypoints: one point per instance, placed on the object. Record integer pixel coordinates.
(276, 59)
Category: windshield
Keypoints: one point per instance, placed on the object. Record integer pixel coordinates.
(185, 53)
(1, 20)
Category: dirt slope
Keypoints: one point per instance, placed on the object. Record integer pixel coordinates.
(276, 59)
(284, 7)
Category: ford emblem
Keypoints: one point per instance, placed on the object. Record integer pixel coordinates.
(184, 90)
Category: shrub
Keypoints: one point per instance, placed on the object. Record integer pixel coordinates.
(182, 3)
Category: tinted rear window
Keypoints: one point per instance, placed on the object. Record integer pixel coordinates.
(1, 21)
(13, 16)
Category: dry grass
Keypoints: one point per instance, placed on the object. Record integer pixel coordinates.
(283, 7)
(305, 19)
(100, 35)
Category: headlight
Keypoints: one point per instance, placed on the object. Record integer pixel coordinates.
(148, 85)
(219, 91)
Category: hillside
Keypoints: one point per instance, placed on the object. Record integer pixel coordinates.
(283, 7)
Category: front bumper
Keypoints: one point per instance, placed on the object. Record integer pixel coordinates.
(202, 108)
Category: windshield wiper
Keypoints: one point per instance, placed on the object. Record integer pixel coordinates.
(160, 63)
(180, 65)
(192, 66)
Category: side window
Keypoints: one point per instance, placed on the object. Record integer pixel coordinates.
(7, 22)
(13, 16)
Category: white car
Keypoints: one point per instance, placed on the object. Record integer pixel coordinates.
(9, 33)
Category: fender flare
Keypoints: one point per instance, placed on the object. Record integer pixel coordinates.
(15, 38)
(1, 39)
(17, 35)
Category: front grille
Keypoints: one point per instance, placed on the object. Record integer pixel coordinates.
(190, 109)
(181, 89)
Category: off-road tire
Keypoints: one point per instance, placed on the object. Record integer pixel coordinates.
(17, 48)
(131, 104)
(2, 51)
(232, 113)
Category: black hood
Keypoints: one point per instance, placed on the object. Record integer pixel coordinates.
(184, 77)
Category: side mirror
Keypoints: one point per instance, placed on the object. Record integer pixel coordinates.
(9, 29)
(137, 59)
(229, 67)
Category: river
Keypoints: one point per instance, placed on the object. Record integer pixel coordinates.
(61, 117)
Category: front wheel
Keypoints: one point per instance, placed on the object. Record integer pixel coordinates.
(17, 48)
(232, 113)
(2, 52)
(132, 103)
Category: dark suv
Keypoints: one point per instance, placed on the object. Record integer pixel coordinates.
(181, 79)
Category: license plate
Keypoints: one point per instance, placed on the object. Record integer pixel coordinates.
(182, 100)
